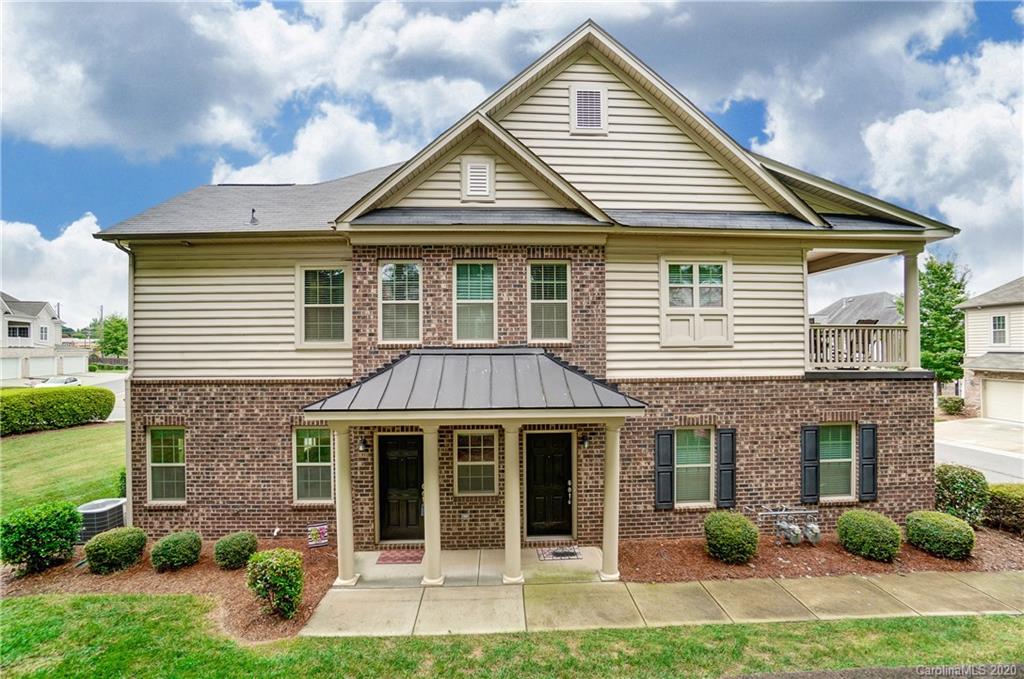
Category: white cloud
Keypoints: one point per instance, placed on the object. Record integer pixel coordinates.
(74, 269)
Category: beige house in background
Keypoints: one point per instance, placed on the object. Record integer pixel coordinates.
(31, 342)
(994, 352)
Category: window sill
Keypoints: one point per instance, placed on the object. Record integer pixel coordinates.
(470, 496)
(476, 344)
(550, 343)
(694, 506)
(169, 504)
(312, 504)
(400, 344)
(844, 500)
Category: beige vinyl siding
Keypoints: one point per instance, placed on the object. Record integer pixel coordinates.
(978, 330)
(645, 160)
(227, 310)
(768, 314)
(443, 187)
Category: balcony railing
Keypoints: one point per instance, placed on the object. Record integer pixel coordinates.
(19, 342)
(835, 347)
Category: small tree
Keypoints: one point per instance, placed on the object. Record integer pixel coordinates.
(114, 340)
(943, 289)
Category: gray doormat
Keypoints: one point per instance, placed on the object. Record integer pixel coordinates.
(559, 553)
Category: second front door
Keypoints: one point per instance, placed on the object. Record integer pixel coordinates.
(549, 483)
(401, 487)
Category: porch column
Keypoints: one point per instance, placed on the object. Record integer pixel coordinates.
(912, 310)
(347, 576)
(513, 574)
(610, 544)
(432, 510)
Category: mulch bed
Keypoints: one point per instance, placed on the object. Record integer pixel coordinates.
(684, 559)
(238, 610)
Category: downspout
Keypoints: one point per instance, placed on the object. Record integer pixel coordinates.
(127, 385)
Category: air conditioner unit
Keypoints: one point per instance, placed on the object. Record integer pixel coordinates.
(100, 515)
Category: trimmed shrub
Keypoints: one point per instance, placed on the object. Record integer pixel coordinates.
(951, 405)
(1006, 506)
(176, 550)
(868, 534)
(115, 549)
(276, 577)
(122, 483)
(25, 410)
(233, 551)
(730, 537)
(961, 491)
(40, 536)
(940, 534)
(93, 368)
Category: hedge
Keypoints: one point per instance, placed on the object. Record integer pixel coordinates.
(940, 534)
(951, 405)
(233, 551)
(115, 549)
(1006, 506)
(40, 536)
(961, 491)
(176, 550)
(868, 534)
(25, 410)
(730, 537)
(276, 577)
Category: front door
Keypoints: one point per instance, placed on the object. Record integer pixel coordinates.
(401, 487)
(549, 484)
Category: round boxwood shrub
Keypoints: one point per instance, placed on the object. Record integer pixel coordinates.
(40, 536)
(940, 534)
(730, 537)
(869, 534)
(25, 410)
(233, 551)
(1006, 506)
(115, 549)
(276, 577)
(93, 368)
(176, 550)
(961, 491)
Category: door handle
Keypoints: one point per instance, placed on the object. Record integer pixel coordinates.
(569, 491)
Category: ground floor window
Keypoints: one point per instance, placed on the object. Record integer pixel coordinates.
(167, 464)
(835, 451)
(313, 465)
(694, 450)
(476, 466)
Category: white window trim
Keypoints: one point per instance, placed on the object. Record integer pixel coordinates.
(455, 301)
(150, 464)
(380, 304)
(712, 463)
(456, 463)
(44, 333)
(603, 90)
(296, 465)
(696, 311)
(300, 307)
(854, 451)
(464, 179)
(568, 303)
(1006, 330)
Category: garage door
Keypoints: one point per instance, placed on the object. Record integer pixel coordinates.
(1003, 400)
(74, 365)
(42, 367)
(10, 368)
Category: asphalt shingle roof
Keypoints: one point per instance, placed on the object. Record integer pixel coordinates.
(476, 216)
(1008, 293)
(1001, 361)
(766, 221)
(20, 307)
(874, 306)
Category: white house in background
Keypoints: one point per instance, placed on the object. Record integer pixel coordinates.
(994, 352)
(874, 308)
(32, 342)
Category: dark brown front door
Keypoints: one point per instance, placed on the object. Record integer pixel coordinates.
(401, 483)
(549, 484)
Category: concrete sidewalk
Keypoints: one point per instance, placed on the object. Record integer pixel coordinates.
(486, 609)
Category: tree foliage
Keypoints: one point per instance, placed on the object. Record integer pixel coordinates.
(114, 337)
(943, 289)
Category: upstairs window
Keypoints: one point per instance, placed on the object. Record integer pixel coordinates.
(44, 333)
(400, 302)
(474, 302)
(695, 303)
(549, 301)
(477, 179)
(588, 109)
(17, 330)
(323, 305)
(999, 329)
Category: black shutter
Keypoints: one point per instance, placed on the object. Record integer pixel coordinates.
(664, 469)
(868, 471)
(725, 486)
(809, 464)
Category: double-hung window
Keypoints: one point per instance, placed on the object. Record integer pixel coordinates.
(476, 466)
(44, 333)
(999, 329)
(549, 301)
(835, 460)
(312, 479)
(323, 310)
(400, 302)
(695, 303)
(167, 464)
(475, 318)
(694, 453)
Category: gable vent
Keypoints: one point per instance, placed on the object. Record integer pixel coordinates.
(478, 179)
(588, 109)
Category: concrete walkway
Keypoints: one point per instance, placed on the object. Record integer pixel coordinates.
(993, 447)
(576, 605)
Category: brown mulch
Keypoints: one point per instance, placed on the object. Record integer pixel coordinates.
(238, 611)
(685, 559)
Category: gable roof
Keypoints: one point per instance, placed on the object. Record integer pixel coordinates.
(1008, 293)
(22, 308)
(879, 307)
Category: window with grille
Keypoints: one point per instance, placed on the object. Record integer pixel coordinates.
(588, 109)
(694, 451)
(695, 303)
(999, 330)
(476, 465)
(477, 178)
(474, 302)
(400, 302)
(313, 465)
(167, 465)
(549, 301)
(323, 305)
(835, 460)
(44, 333)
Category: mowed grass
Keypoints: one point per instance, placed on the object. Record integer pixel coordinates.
(77, 464)
(173, 636)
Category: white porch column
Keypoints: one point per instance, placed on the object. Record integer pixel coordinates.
(347, 576)
(610, 544)
(912, 310)
(432, 510)
(513, 574)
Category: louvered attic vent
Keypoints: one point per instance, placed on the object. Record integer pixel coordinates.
(588, 109)
(478, 179)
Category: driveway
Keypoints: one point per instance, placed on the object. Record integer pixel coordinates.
(993, 447)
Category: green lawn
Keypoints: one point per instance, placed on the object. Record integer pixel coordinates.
(171, 636)
(77, 464)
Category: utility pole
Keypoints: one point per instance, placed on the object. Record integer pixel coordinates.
(100, 328)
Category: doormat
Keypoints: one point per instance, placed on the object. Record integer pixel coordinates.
(395, 556)
(559, 553)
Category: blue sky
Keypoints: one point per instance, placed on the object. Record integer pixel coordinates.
(98, 122)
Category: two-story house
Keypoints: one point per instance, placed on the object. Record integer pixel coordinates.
(578, 314)
(31, 337)
(994, 352)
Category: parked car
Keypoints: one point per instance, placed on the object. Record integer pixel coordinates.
(60, 382)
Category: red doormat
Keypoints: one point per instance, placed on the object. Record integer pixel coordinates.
(392, 556)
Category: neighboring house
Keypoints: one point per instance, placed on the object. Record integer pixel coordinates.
(32, 342)
(580, 313)
(874, 308)
(994, 352)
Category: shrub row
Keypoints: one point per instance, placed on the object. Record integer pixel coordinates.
(176, 550)
(868, 534)
(951, 405)
(961, 491)
(1006, 507)
(37, 537)
(233, 551)
(940, 534)
(26, 410)
(115, 549)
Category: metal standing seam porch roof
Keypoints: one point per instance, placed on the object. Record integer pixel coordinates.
(518, 378)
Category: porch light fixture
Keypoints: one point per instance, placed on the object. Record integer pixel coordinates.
(585, 441)
(363, 445)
